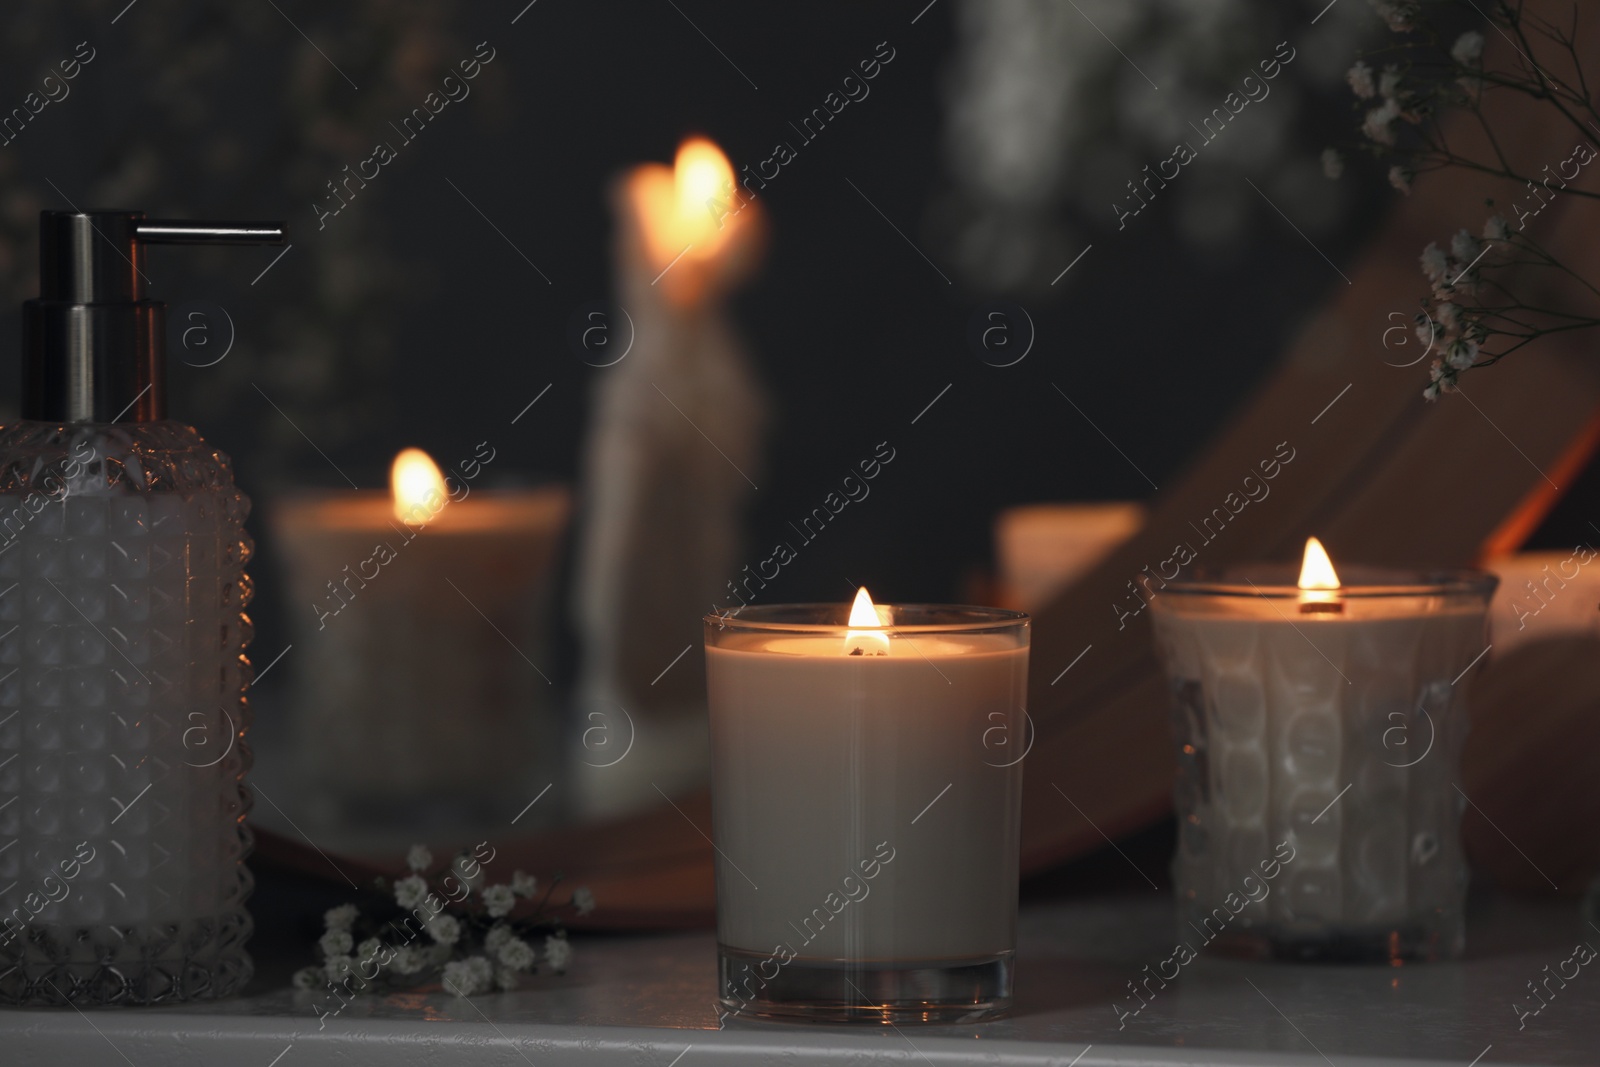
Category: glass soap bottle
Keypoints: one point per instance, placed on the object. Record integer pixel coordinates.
(122, 637)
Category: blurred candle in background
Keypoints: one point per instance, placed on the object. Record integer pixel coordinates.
(419, 646)
(672, 459)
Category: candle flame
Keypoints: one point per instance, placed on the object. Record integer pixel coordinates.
(1318, 580)
(701, 173)
(863, 612)
(685, 210)
(417, 486)
(1316, 569)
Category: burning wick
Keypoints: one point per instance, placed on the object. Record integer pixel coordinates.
(1319, 582)
(873, 642)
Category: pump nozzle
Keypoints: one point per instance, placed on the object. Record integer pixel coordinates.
(184, 232)
(93, 345)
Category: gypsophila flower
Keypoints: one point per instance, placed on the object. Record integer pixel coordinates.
(1461, 353)
(583, 900)
(516, 954)
(1468, 49)
(444, 929)
(1400, 15)
(1444, 378)
(336, 943)
(1465, 247)
(478, 949)
(1426, 330)
(1379, 125)
(1360, 79)
(1434, 262)
(482, 971)
(1496, 229)
(1400, 178)
(497, 936)
(557, 953)
(409, 891)
(1332, 164)
(460, 978)
(1389, 83)
(498, 900)
(407, 960)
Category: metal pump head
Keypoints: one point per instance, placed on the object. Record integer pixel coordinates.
(93, 347)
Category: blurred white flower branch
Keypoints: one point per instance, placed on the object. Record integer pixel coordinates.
(1489, 294)
(1053, 106)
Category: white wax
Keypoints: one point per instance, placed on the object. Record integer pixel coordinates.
(823, 763)
(1281, 711)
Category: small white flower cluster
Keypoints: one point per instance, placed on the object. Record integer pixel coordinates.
(468, 977)
(354, 966)
(1468, 55)
(1468, 49)
(1396, 101)
(504, 955)
(1401, 15)
(583, 900)
(1455, 330)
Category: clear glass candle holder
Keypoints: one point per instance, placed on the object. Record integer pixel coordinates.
(1319, 737)
(866, 793)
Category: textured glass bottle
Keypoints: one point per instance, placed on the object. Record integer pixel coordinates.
(122, 636)
(122, 716)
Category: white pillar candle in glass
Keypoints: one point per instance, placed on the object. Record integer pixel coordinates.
(1319, 728)
(866, 792)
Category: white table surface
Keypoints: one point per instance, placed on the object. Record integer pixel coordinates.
(648, 1001)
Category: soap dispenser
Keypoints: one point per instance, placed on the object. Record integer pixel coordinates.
(122, 637)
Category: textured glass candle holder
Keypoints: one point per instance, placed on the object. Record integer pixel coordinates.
(1319, 740)
(122, 716)
(866, 812)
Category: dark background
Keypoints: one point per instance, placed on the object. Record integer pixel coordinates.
(851, 329)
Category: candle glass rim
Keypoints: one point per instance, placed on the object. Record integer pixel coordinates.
(817, 618)
(1281, 582)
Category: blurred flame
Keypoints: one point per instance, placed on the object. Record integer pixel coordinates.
(417, 486)
(686, 211)
(863, 612)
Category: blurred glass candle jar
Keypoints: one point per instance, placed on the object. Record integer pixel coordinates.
(1319, 729)
(867, 777)
(419, 635)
